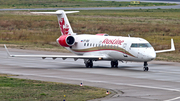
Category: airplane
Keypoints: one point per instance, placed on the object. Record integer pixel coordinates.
(99, 47)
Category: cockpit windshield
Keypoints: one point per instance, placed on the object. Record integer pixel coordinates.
(140, 45)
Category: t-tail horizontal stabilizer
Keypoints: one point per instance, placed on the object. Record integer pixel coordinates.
(172, 48)
(63, 21)
(57, 12)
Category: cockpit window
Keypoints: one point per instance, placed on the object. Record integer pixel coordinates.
(134, 45)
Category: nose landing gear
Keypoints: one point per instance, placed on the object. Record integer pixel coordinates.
(145, 66)
(114, 64)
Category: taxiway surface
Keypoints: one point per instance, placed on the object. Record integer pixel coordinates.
(128, 82)
(109, 8)
(97, 8)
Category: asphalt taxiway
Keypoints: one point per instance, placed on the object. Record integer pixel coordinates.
(97, 8)
(128, 82)
(108, 8)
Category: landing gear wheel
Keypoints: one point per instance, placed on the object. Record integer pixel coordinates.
(146, 66)
(88, 63)
(114, 64)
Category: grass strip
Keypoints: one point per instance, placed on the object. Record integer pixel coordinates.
(13, 89)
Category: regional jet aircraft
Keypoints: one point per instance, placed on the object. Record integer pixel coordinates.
(99, 47)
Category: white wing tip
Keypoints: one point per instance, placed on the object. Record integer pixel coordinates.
(172, 48)
(172, 45)
(7, 50)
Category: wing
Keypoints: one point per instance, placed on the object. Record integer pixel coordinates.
(75, 57)
(172, 48)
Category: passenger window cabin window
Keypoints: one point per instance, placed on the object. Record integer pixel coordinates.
(134, 45)
(84, 44)
(87, 44)
(141, 45)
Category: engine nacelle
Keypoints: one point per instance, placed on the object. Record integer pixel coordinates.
(102, 34)
(66, 40)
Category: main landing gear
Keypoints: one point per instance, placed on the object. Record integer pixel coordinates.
(114, 64)
(146, 66)
(88, 63)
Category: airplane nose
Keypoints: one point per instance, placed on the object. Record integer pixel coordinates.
(152, 56)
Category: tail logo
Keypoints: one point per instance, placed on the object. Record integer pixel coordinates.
(64, 28)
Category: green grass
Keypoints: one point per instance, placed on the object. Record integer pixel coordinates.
(158, 26)
(169, 57)
(12, 89)
(70, 3)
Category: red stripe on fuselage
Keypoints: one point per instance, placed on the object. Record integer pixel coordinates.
(105, 49)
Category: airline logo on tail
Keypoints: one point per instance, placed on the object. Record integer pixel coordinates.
(64, 27)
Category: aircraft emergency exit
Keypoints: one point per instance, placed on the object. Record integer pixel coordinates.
(99, 47)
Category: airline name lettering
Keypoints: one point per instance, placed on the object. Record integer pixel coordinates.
(112, 41)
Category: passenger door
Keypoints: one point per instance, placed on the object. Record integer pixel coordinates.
(125, 50)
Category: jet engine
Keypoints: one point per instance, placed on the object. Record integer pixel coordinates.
(66, 40)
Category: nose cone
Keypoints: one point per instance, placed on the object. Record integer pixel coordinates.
(152, 55)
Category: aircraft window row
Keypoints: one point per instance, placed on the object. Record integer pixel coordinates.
(100, 45)
(140, 45)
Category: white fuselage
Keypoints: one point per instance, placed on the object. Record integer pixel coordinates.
(114, 47)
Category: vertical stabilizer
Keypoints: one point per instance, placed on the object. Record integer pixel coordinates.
(63, 21)
(64, 24)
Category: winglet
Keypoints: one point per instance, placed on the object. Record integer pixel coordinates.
(7, 50)
(172, 48)
(172, 45)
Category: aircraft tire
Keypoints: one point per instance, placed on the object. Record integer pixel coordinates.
(91, 65)
(88, 63)
(114, 64)
(146, 68)
(87, 66)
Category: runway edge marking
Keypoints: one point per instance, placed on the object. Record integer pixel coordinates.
(173, 99)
